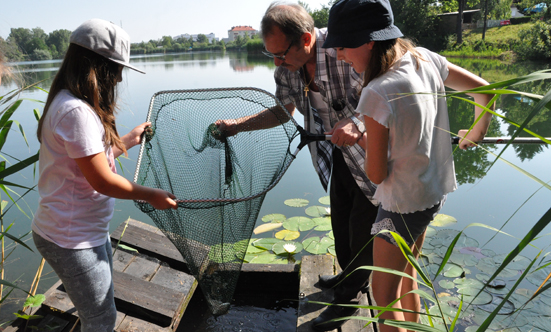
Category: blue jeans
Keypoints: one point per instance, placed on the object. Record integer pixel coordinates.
(87, 275)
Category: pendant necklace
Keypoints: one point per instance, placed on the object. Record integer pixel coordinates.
(306, 85)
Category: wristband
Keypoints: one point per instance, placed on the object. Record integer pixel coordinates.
(358, 123)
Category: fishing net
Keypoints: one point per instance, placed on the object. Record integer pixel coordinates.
(220, 182)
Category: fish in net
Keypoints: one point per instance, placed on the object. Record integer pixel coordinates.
(219, 181)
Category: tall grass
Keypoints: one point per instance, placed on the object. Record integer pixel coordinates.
(439, 320)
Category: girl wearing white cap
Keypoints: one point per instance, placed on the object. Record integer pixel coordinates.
(77, 182)
(407, 140)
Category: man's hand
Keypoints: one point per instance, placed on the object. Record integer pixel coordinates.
(344, 133)
(227, 127)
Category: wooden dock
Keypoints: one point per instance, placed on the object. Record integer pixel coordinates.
(311, 268)
(153, 287)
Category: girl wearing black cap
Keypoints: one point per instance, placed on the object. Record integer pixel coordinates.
(407, 140)
(77, 175)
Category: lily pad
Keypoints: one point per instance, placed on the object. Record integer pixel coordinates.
(443, 237)
(537, 277)
(473, 251)
(325, 200)
(292, 223)
(470, 293)
(322, 224)
(452, 270)
(543, 323)
(443, 220)
(252, 249)
(466, 241)
(250, 256)
(266, 243)
(296, 202)
(264, 259)
(446, 284)
(430, 231)
(463, 259)
(331, 250)
(287, 248)
(317, 211)
(518, 263)
(267, 227)
(274, 217)
(313, 246)
(300, 224)
(287, 235)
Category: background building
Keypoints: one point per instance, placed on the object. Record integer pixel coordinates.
(241, 30)
(210, 36)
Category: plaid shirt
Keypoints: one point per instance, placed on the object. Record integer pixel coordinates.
(339, 87)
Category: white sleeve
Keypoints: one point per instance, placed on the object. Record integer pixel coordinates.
(375, 106)
(81, 132)
(439, 61)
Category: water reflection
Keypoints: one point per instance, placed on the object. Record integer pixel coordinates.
(470, 165)
(493, 201)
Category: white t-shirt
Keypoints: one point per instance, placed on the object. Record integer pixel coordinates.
(420, 163)
(70, 212)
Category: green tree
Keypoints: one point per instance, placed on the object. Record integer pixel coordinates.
(535, 41)
(201, 38)
(10, 50)
(166, 41)
(418, 21)
(22, 38)
(40, 54)
(59, 39)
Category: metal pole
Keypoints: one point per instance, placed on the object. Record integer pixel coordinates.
(505, 140)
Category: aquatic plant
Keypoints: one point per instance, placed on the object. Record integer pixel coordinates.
(9, 104)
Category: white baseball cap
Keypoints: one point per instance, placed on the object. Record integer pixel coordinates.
(106, 39)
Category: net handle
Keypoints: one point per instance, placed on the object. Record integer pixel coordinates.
(506, 140)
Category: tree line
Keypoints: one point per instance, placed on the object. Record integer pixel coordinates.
(418, 19)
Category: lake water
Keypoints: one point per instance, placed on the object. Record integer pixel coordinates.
(502, 196)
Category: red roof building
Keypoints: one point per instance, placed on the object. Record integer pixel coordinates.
(241, 30)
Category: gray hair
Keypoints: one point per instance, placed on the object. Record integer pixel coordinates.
(291, 18)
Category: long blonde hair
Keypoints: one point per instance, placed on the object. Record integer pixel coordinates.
(385, 53)
(92, 78)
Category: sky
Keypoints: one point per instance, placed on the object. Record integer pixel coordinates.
(142, 20)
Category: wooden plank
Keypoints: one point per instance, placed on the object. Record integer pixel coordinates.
(311, 268)
(155, 302)
(143, 267)
(148, 240)
(121, 259)
(180, 282)
(58, 301)
(173, 279)
(356, 325)
(133, 324)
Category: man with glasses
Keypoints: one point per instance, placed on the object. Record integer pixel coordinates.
(324, 90)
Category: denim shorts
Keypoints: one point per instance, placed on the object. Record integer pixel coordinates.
(409, 225)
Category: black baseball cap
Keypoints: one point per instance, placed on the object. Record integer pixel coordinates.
(353, 23)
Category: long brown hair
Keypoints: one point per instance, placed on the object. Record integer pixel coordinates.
(92, 78)
(384, 54)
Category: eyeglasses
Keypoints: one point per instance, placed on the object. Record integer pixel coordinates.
(280, 57)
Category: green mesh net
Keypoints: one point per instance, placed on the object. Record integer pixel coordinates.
(220, 182)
